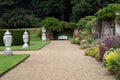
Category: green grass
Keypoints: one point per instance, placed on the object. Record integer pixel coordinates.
(34, 45)
(8, 62)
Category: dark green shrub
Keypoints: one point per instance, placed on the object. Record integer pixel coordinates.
(16, 36)
(1, 37)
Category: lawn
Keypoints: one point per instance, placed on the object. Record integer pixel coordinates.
(34, 45)
(8, 62)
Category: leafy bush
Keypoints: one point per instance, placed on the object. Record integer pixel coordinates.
(93, 51)
(108, 13)
(68, 25)
(84, 44)
(75, 40)
(106, 45)
(111, 61)
(16, 36)
(102, 49)
(86, 35)
(83, 21)
(52, 23)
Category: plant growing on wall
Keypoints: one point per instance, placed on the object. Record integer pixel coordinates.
(108, 13)
(83, 21)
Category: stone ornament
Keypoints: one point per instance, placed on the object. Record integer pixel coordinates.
(25, 40)
(43, 34)
(7, 38)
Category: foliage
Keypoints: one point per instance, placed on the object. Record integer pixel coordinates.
(68, 25)
(107, 44)
(84, 41)
(75, 40)
(65, 10)
(93, 51)
(52, 23)
(83, 22)
(57, 8)
(84, 44)
(118, 18)
(84, 34)
(81, 8)
(108, 13)
(16, 18)
(36, 22)
(16, 37)
(111, 61)
(8, 62)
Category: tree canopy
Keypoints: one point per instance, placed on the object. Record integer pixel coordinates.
(29, 13)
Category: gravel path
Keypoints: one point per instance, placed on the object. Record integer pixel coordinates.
(59, 60)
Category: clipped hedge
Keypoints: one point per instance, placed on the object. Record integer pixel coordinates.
(16, 36)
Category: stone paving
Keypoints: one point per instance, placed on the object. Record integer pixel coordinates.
(59, 60)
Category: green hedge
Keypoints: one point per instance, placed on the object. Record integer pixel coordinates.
(16, 36)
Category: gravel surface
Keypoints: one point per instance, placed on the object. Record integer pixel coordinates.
(59, 60)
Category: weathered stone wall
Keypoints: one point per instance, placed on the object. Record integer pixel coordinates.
(106, 29)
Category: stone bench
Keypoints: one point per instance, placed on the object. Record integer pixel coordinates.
(62, 37)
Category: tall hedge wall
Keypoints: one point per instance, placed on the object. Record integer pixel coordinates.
(16, 36)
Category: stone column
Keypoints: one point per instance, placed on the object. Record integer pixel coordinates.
(117, 26)
(75, 32)
(106, 29)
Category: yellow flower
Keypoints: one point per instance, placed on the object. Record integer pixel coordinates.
(109, 56)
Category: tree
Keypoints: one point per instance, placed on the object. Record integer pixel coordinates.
(58, 8)
(16, 18)
(82, 8)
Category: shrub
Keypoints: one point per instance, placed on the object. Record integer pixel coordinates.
(106, 45)
(87, 36)
(112, 62)
(16, 36)
(52, 23)
(75, 40)
(84, 44)
(81, 23)
(1, 37)
(102, 49)
(93, 51)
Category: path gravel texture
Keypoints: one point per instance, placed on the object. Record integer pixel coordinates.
(59, 60)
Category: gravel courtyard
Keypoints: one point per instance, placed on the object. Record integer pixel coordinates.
(59, 60)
